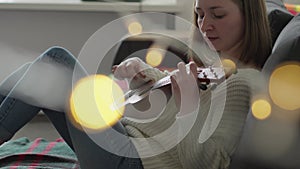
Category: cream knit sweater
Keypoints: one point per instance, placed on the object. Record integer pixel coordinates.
(189, 153)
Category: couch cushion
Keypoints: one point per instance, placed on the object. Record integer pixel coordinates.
(278, 16)
(254, 151)
(286, 47)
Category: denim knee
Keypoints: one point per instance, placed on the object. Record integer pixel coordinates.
(60, 55)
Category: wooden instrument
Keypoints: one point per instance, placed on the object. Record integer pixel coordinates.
(206, 76)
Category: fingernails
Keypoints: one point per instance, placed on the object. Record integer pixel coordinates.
(142, 74)
(172, 77)
(202, 86)
(139, 75)
(113, 69)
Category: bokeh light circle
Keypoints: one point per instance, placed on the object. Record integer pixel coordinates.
(261, 109)
(93, 102)
(135, 28)
(154, 57)
(228, 63)
(284, 86)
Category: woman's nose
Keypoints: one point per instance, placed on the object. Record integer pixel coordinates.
(206, 24)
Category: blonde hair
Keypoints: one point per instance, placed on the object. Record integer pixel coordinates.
(257, 44)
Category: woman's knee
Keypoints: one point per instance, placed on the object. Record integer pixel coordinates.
(60, 55)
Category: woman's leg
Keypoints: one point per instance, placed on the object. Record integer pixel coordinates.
(104, 149)
(28, 83)
(31, 84)
(14, 114)
(59, 121)
(47, 82)
(89, 153)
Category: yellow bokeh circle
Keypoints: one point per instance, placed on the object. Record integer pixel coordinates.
(229, 67)
(261, 109)
(297, 8)
(135, 28)
(154, 57)
(284, 86)
(94, 102)
(227, 63)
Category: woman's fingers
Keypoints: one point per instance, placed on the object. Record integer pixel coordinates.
(181, 68)
(130, 69)
(118, 72)
(185, 88)
(113, 69)
(175, 91)
(193, 69)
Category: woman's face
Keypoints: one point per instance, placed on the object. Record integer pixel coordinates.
(222, 23)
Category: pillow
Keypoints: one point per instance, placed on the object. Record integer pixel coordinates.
(249, 153)
(286, 47)
(278, 16)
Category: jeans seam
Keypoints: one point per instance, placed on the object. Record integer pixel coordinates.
(7, 107)
(60, 57)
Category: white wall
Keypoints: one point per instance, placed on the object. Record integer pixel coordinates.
(25, 34)
(186, 11)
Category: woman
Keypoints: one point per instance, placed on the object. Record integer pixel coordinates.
(237, 29)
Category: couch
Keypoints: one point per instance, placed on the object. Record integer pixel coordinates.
(274, 143)
(286, 37)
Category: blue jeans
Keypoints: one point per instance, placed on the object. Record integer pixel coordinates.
(14, 114)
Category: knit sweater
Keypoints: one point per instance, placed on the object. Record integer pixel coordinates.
(190, 153)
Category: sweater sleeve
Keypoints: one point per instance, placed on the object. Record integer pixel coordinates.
(230, 99)
(216, 151)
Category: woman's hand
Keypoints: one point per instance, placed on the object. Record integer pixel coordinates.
(132, 70)
(185, 88)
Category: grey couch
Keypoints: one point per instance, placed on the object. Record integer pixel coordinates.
(274, 143)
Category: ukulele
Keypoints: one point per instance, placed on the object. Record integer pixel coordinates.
(205, 77)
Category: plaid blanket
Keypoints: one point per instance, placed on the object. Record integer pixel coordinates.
(22, 153)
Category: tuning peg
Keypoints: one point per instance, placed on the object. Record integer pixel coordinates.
(202, 86)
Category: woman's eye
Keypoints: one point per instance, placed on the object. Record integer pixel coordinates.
(218, 16)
